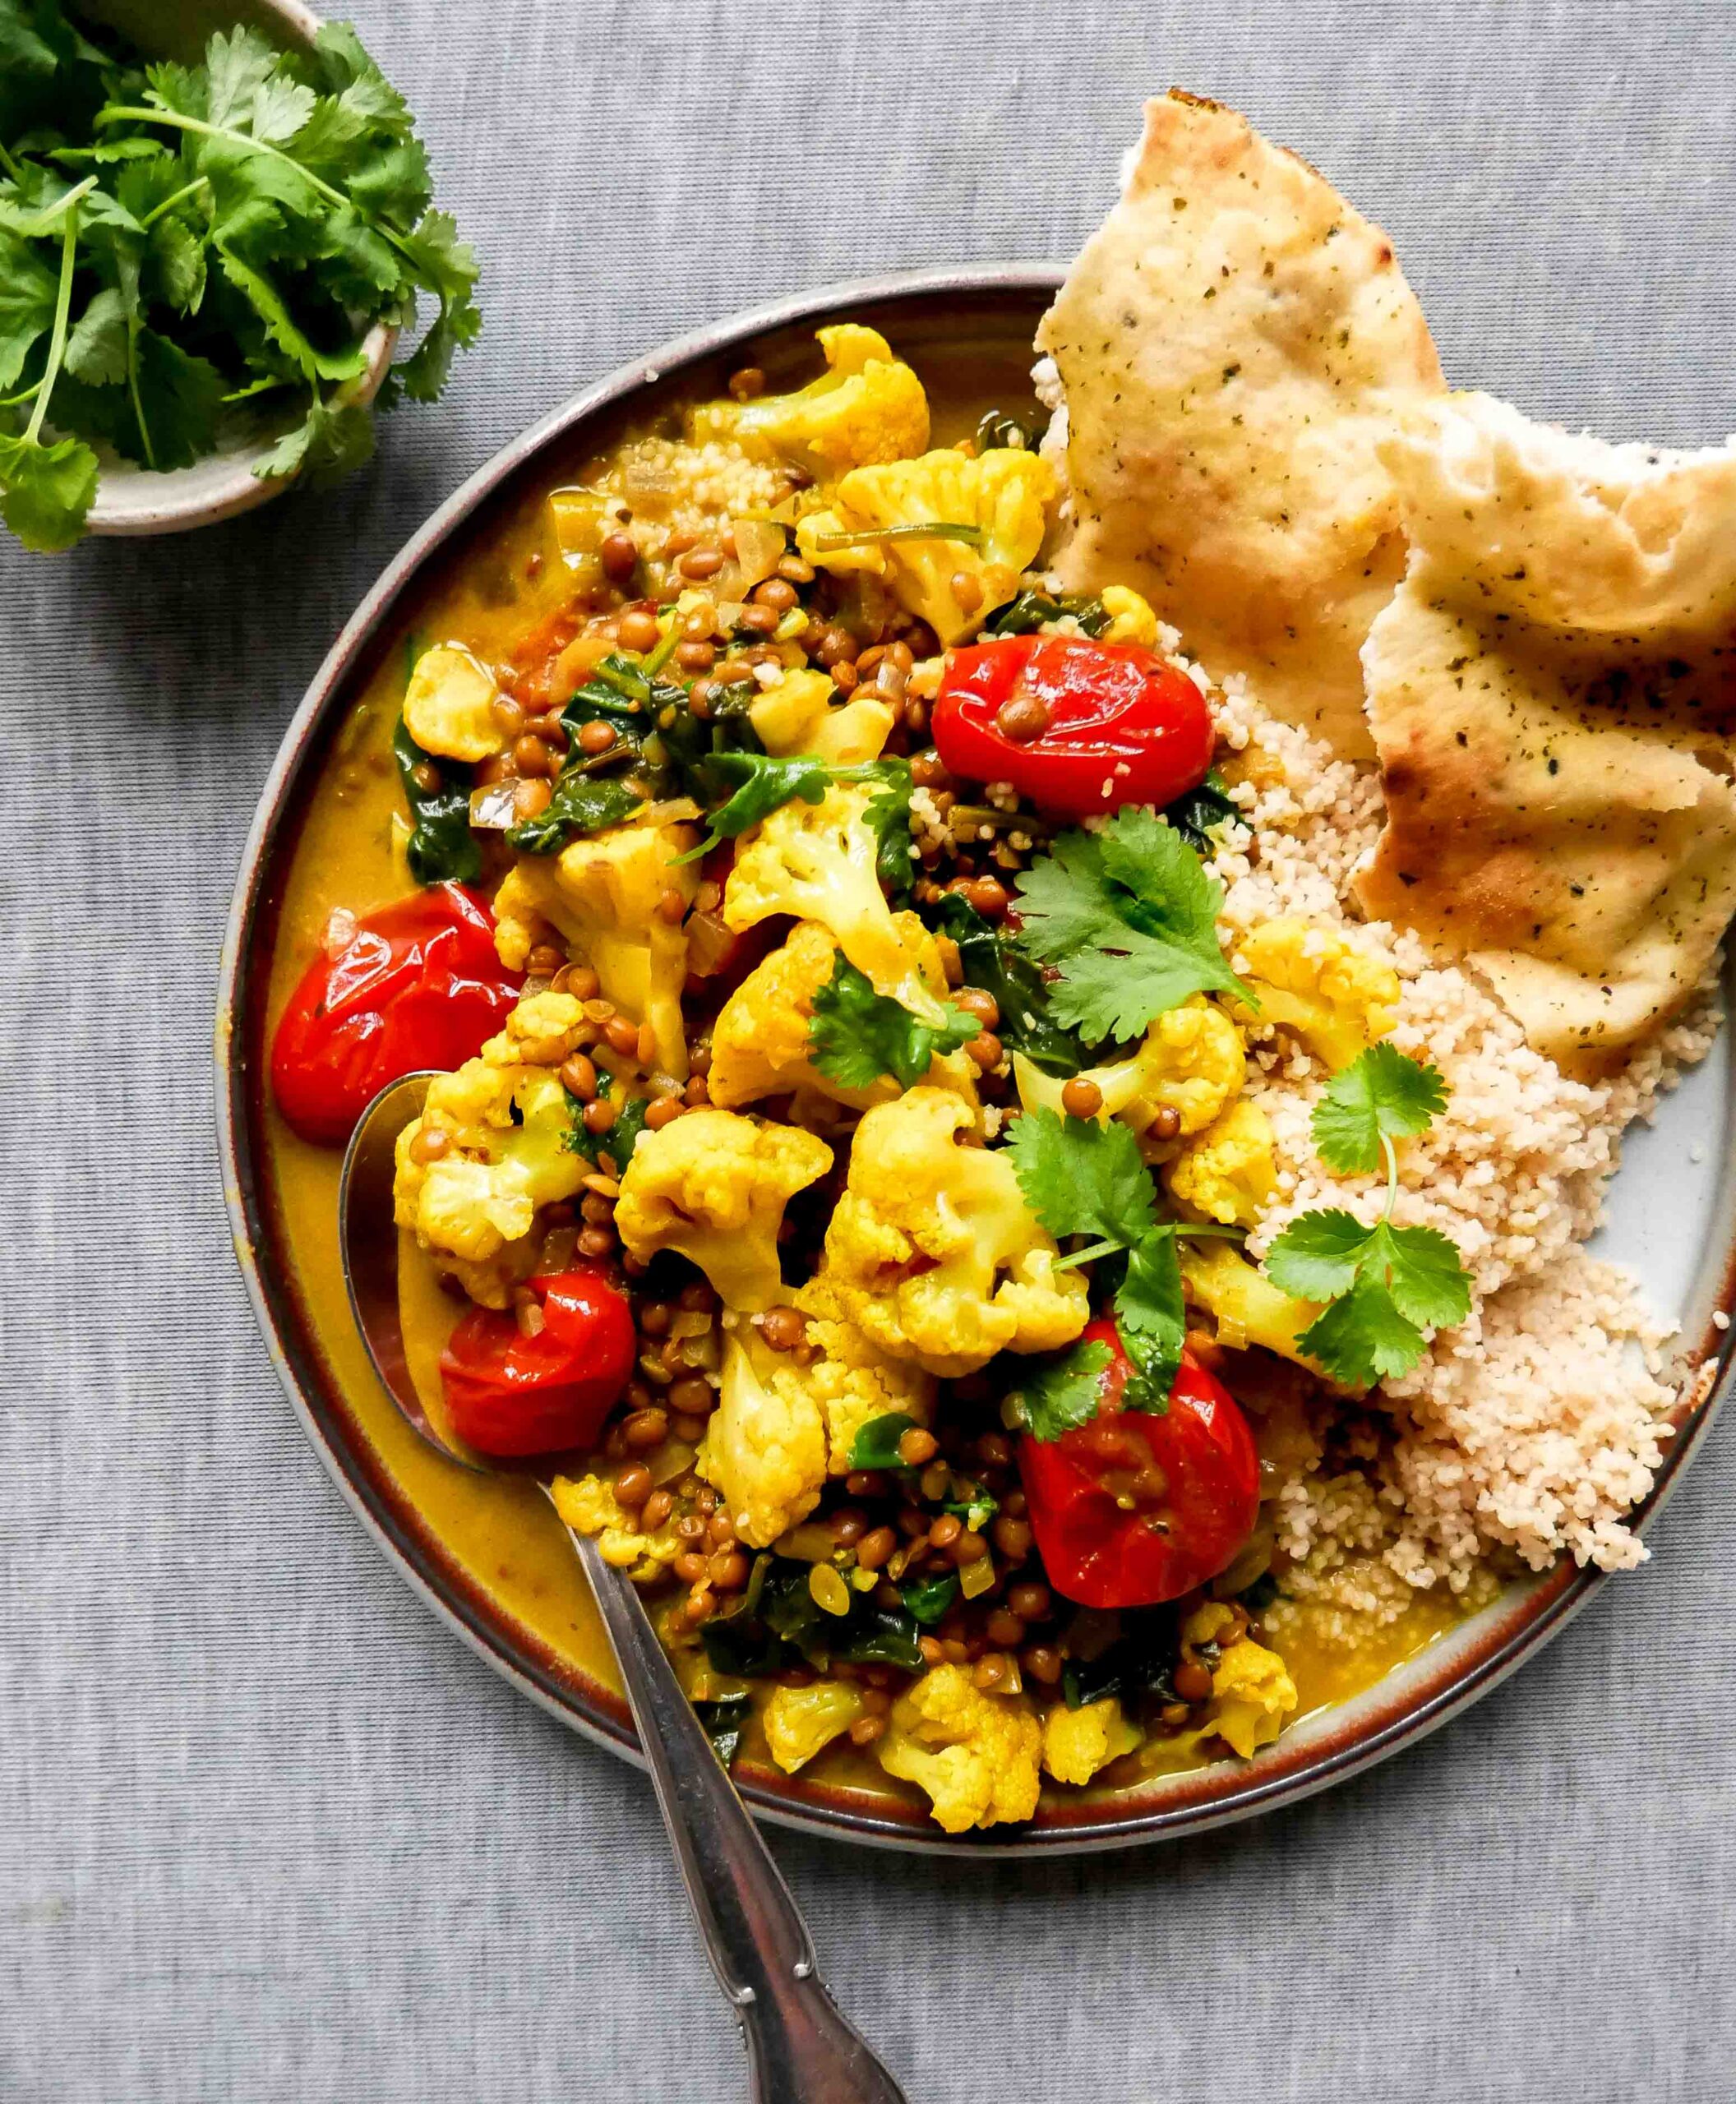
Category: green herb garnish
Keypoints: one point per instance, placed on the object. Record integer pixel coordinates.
(618, 1140)
(725, 1720)
(764, 784)
(779, 1625)
(1128, 917)
(176, 241)
(857, 1035)
(1386, 1285)
(581, 804)
(1031, 611)
(993, 963)
(1059, 1393)
(927, 530)
(876, 1443)
(1200, 812)
(927, 1599)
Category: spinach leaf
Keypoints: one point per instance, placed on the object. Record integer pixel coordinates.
(582, 803)
(1138, 1663)
(779, 1624)
(999, 429)
(1025, 614)
(622, 1138)
(725, 1720)
(877, 1442)
(992, 963)
(441, 848)
(927, 1599)
(1195, 815)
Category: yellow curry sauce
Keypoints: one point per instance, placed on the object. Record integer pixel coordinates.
(501, 1532)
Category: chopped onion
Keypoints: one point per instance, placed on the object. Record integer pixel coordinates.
(494, 809)
(760, 548)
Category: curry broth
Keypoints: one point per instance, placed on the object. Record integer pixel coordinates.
(501, 1531)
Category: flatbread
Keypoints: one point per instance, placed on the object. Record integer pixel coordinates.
(1234, 344)
(1553, 691)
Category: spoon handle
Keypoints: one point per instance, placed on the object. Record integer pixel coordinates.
(800, 2048)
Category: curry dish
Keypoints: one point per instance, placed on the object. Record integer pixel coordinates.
(947, 1147)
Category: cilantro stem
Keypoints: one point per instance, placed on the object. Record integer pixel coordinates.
(28, 394)
(1209, 1227)
(46, 220)
(58, 340)
(14, 169)
(1391, 1152)
(168, 204)
(265, 384)
(664, 651)
(937, 529)
(1088, 1255)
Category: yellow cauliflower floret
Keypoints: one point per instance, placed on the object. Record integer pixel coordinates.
(1228, 1173)
(817, 862)
(780, 1426)
(1193, 1061)
(975, 1755)
(932, 1251)
(1248, 1309)
(713, 1186)
(1252, 1691)
(449, 705)
(1335, 998)
(507, 1120)
(796, 716)
(760, 1043)
(1130, 619)
(867, 405)
(602, 894)
(764, 1446)
(1001, 495)
(800, 1721)
(589, 1506)
(1078, 1743)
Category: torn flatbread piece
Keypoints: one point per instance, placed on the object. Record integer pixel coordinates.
(1234, 344)
(1553, 691)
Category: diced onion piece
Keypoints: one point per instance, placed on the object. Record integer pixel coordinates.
(579, 521)
(760, 548)
(977, 1577)
(494, 808)
(830, 1595)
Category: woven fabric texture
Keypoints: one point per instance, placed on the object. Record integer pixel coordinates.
(269, 1832)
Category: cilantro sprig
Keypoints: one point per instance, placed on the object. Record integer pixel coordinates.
(1127, 917)
(179, 242)
(857, 1035)
(762, 784)
(1385, 1285)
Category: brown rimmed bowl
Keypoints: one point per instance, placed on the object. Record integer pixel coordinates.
(1672, 1208)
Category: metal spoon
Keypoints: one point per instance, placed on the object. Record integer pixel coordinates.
(800, 2048)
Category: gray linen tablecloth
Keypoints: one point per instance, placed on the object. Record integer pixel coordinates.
(267, 1831)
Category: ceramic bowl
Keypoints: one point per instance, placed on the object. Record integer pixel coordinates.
(134, 500)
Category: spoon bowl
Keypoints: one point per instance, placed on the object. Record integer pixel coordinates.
(800, 2049)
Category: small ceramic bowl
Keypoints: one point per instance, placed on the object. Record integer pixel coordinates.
(132, 499)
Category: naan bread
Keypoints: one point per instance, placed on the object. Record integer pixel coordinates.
(1234, 342)
(1553, 691)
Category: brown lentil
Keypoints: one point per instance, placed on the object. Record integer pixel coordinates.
(1012, 1537)
(633, 1485)
(693, 1397)
(664, 1111)
(544, 961)
(866, 1730)
(1191, 1681)
(986, 1050)
(1081, 1098)
(622, 1035)
(747, 382)
(701, 562)
(595, 1242)
(917, 1446)
(968, 1548)
(784, 1328)
(530, 799)
(578, 1078)
(1042, 1661)
(639, 629)
(876, 1549)
(729, 1569)
(657, 1508)
(691, 1429)
(695, 657)
(531, 756)
(989, 896)
(619, 557)
(1030, 1602)
(598, 1116)
(1167, 1125)
(946, 1530)
(645, 1429)
(1023, 718)
(848, 1525)
(430, 1143)
(1004, 1628)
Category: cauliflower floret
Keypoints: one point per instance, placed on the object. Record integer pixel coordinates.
(508, 1121)
(817, 862)
(796, 716)
(1248, 1309)
(780, 1426)
(976, 1754)
(932, 1251)
(602, 894)
(800, 1721)
(1228, 1173)
(1078, 1743)
(1252, 1691)
(760, 1042)
(589, 1506)
(713, 1186)
(1001, 495)
(867, 405)
(1130, 618)
(764, 1446)
(1192, 1062)
(449, 705)
(1338, 1000)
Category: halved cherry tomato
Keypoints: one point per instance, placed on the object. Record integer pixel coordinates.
(510, 1394)
(418, 984)
(1131, 1509)
(1076, 728)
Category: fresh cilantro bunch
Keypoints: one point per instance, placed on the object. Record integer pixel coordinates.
(1082, 1178)
(1127, 917)
(179, 243)
(857, 1035)
(1385, 1285)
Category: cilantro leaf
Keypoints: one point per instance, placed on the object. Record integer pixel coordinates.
(1385, 1285)
(582, 803)
(1153, 1322)
(763, 785)
(857, 1035)
(1128, 917)
(992, 963)
(1382, 1096)
(1364, 1337)
(1317, 1257)
(1082, 1178)
(334, 437)
(1425, 1275)
(27, 289)
(927, 1599)
(1057, 1394)
(45, 491)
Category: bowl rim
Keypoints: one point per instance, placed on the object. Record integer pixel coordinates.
(140, 501)
(1414, 1699)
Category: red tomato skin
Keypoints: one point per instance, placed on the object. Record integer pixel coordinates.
(1124, 727)
(418, 985)
(1101, 1555)
(513, 1396)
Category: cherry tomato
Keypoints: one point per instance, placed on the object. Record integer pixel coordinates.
(1076, 728)
(510, 1394)
(1131, 1509)
(418, 985)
